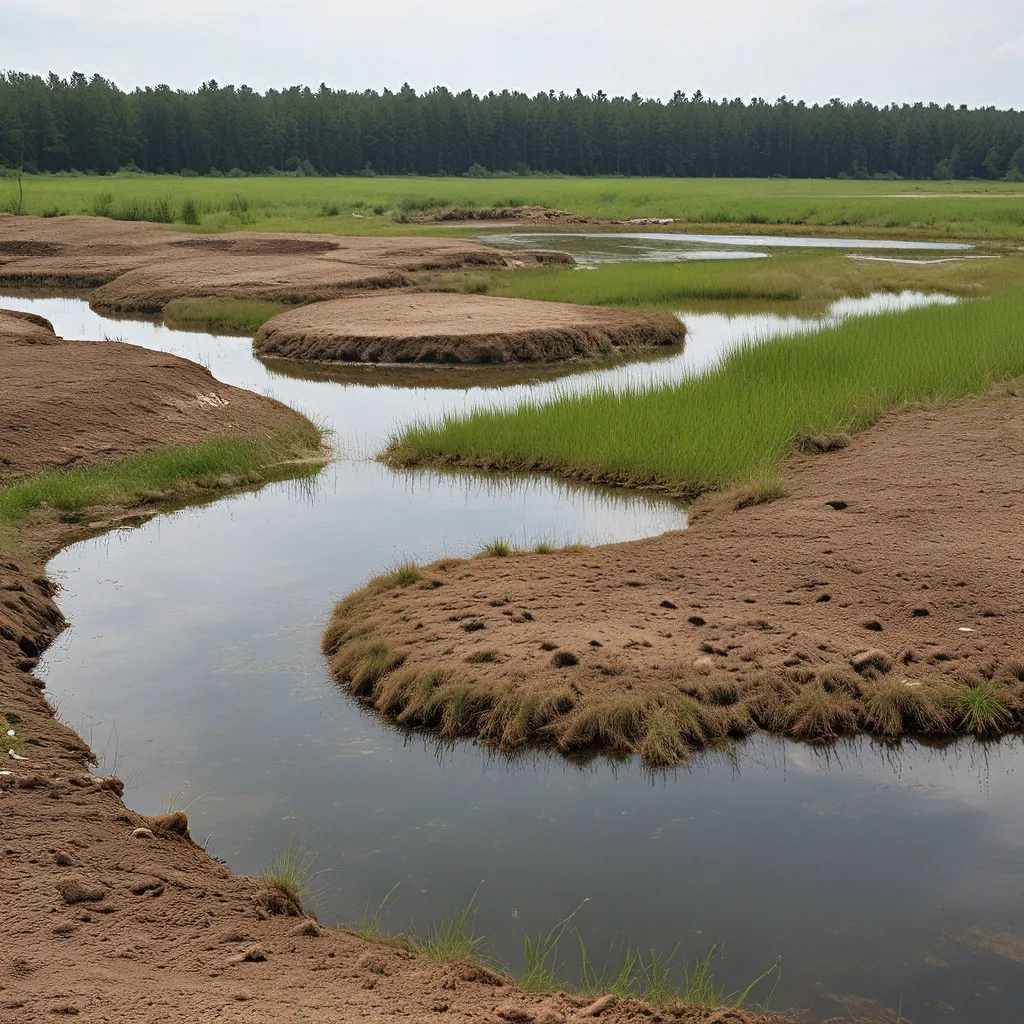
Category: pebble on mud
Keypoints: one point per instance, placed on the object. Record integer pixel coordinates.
(253, 955)
(74, 890)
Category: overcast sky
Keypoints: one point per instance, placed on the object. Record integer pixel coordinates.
(882, 50)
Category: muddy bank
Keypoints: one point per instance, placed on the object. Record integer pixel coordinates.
(70, 403)
(439, 327)
(138, 267)
(881, 595)
(110, 916)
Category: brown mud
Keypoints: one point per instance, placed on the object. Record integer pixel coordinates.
(138, 267)
(115, 918)
(448, 327)
(883, 594)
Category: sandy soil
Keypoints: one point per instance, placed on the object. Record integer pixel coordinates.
(139, 267)
(437, 327)
(891, 573)
(107, 923)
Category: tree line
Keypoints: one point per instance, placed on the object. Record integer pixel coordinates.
(90, 125)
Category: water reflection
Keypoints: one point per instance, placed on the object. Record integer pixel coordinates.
(592, 247)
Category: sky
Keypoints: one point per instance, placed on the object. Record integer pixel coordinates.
(944, 51)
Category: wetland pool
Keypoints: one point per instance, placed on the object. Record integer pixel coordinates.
(884, 878)
(589, 248)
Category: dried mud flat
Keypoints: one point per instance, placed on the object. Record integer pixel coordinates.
(869, 599)
(434, 327)
(138, 267)
(110, 916)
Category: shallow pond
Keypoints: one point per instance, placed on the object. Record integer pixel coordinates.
(592, 247)
(884, 878)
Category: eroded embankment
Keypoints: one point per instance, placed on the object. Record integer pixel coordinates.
(881, 595)
(432, 327)
(110, 916)
(137, 267)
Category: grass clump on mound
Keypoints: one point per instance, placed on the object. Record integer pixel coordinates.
(737, 422)
(231, 316)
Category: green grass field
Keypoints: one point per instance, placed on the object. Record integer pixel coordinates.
(734, 425)
(986, 211)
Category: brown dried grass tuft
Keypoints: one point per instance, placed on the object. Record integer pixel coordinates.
(894, 707)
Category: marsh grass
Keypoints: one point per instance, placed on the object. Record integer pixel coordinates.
(454, 939)
(498, 548)
(980, 710)
(229, 316)
(738, 421)
(289, 869)
(540, 955)
(168, 475)
(404, 574)
(371, 925)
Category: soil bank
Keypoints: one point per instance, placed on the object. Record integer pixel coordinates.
(875, 596)
(137, 267)
(107, 923)
(437, 327)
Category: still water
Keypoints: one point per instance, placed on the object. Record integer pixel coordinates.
(592, 247)
(883, 878)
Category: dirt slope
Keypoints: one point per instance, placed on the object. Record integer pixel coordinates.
(139, 267)
(889, 578)
(68, 403)
(432, 327)
(111, 925)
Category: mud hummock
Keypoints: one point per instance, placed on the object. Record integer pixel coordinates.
(442, 327)
(77, 403)
(138, 267)
(882, 595)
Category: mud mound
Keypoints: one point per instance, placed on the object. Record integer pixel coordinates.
(139, 267)
(25, 329)
(65, 403)
(881, 595)
(433, 327)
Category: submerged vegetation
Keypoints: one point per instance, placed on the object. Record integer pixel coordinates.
(734, 424)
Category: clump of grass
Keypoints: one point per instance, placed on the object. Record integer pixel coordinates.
(981, 710)
(165, 475)
(289, 869)
(189, 211)
(231, 316)
(371, 925)
(330, 209)
(892, 707)
(404, 575)
(454, 939)
(738, 421)
(498, 548)
(543, 548)
(540, 956)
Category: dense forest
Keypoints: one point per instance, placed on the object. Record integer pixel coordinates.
(89, 125)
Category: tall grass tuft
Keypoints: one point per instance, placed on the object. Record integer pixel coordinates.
(289, 869)
(454, 939)
(733, 425)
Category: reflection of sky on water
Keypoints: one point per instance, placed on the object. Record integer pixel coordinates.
(192, 664)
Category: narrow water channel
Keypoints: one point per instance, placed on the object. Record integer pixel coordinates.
(884, 878)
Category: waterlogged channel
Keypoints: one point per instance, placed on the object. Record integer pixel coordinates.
(884, 878)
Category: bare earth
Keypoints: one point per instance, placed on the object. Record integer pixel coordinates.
(433, 327)
(139, 267)
(107, 924)
(799, 616)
